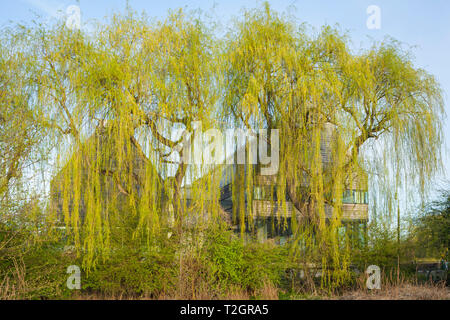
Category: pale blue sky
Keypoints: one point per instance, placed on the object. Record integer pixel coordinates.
(425, 24)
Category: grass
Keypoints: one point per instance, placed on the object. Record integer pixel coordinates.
(405, 291)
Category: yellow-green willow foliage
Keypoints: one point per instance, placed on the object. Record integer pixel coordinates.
(329, 104)
(112, 98)
(19, 132)
(115, 99)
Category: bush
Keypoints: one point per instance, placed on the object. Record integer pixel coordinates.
(250, 266)
(134, 271)
(33, 264)
(37, 273)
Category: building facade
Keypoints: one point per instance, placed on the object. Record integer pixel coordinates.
(268, 215)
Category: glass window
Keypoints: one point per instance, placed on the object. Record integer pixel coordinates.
(347, 197)
(355, 196)
(257, 193)
(359, 197)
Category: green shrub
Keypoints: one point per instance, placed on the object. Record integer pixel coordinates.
(39, 272)
(134, 271)
(233, 263)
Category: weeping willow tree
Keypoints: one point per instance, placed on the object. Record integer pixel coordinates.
(115, 100)
(122, 103)
(385, 115)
